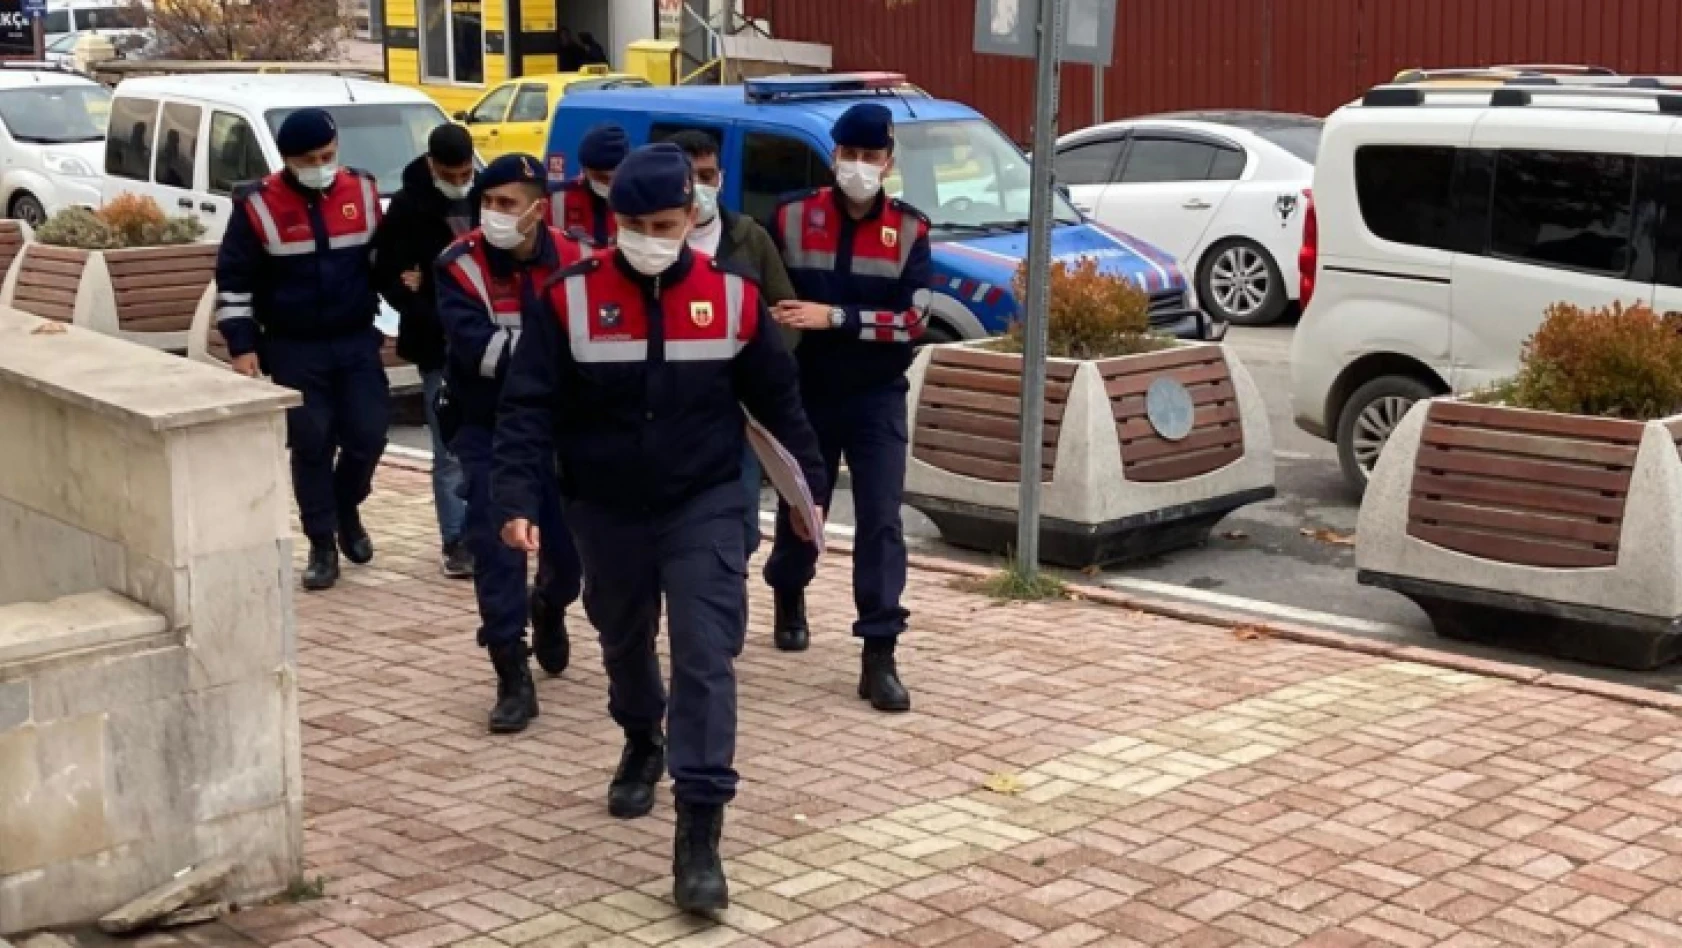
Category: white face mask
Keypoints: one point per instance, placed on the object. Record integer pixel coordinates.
(649, 256)
(706, 203)
(502, 231)
(455, 192)
(318, 177)
(859, 180)
(600, 188)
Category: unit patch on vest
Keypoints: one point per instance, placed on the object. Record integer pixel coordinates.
(890, 237)
(815, 220)
(349, 211)
(701, 313)
(609, 316)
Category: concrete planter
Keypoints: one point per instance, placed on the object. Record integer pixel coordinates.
(205, 344)
(1115, 488)
(1557, 533)
(143, 294)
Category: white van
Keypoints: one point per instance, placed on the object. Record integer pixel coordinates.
(52, 139)
(115, 19)
(1444, 221)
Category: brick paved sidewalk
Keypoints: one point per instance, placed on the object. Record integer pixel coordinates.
(1176, 785)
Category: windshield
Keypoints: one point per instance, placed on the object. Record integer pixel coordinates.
(965, 176)
(63, 44)
(378, 139)
(1302, 141)
(56, 115)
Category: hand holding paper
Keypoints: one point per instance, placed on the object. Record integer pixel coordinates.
(786, 476)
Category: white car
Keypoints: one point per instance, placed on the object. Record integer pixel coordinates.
(1446, 220)
(1221, 191)
(52, 141)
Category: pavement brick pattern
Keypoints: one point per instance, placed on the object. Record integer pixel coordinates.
(1071, 775)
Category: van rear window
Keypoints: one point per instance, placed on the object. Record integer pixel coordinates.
(1407, 193)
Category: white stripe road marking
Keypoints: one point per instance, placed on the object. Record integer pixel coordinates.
(1256, 606)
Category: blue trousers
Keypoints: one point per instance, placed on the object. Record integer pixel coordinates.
(751, 480)
(693, 557)
(499, 572)
(337, 436)
(868, 429)
(447, 490)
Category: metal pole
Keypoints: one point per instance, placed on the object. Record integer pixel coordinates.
(1039, 286)
(1097, 95)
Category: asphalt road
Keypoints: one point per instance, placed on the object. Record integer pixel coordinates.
(1290, 559)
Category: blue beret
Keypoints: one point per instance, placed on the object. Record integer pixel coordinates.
(603, 148)
(652, 178)
(866, 125)
(512, 168)
(304, 131)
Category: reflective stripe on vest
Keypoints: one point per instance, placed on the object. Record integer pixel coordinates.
(896, 237)
(595, 351)
(367, 219)
(906, 236)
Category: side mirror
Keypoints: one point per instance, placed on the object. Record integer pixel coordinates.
(460, 116)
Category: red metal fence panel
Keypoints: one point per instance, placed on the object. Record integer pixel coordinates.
(1288, 55)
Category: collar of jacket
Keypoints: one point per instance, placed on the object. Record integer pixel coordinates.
(504, 263)
(673, 276)
(839, 202)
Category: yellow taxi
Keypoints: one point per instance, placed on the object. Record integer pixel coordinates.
(514, 116)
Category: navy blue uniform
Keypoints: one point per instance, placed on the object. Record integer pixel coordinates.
(295, 285)
(636, 386)
(481, 293)
(852, 379)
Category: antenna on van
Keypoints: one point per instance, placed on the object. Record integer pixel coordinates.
(350, 92)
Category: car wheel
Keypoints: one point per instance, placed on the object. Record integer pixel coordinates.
(1368, 419)
(27, 207)
(1241, 284)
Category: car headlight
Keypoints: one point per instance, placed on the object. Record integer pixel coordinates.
(69, 165)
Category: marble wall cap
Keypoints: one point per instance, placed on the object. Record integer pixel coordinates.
(127, 382)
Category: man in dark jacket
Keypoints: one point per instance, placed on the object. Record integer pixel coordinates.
(738, 241)
(424, 218)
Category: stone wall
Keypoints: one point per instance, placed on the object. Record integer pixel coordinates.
(148, 701)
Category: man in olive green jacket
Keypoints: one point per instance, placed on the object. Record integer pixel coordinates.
(739, 240)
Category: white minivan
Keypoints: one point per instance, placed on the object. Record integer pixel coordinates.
(187, 141)
(52, 138)
(1444, 221)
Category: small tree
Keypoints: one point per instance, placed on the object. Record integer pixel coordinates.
(256, 30)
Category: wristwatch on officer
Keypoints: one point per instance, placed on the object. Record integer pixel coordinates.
(837, 317)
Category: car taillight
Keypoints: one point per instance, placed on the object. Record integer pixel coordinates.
(1308, 259)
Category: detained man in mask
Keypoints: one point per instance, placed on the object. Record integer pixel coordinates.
(484, 280)
(427, 215)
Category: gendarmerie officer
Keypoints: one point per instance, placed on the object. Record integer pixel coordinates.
(634, 371)
(859, 261)
(295, 294)
(484, 281)
(580, 205)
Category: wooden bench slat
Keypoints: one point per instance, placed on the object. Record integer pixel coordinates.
(1539, 472)
(180, 311)
(991, 426)
(1182, 466)
(44, 294)
(1133, 406)
(1516, 495)
(49, 252)
(1529, 445)
(1216, 413)
(1000, 405)
(977, 468)
(1524, 523)
(1157, 362)
(1001, 362)
(1614, 430)
(991, 449)
(1195, 375)
(943, 376)
(178, 293)
(1508, 549)
(1156, 446)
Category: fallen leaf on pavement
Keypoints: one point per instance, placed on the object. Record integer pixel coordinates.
(1250, 633)
(1235, 535)
(1093, 571)
(1003, 783)
(1328, 536)
(49, 328)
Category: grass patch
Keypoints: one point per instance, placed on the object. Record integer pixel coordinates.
(1012, 585)
(303, 889)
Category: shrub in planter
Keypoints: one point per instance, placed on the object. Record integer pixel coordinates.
(126, 269)
(1546, 512)
(1148, 441)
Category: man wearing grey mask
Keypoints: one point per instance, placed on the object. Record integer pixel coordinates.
(426, 216)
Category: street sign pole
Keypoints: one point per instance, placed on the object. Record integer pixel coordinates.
(1039, 286)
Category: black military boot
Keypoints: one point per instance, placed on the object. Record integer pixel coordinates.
(353, 540)
(879, 678)
(549, 634)
(323, 569)
(631, 794)
(516, 695)
(698, 884)
(788, 626)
